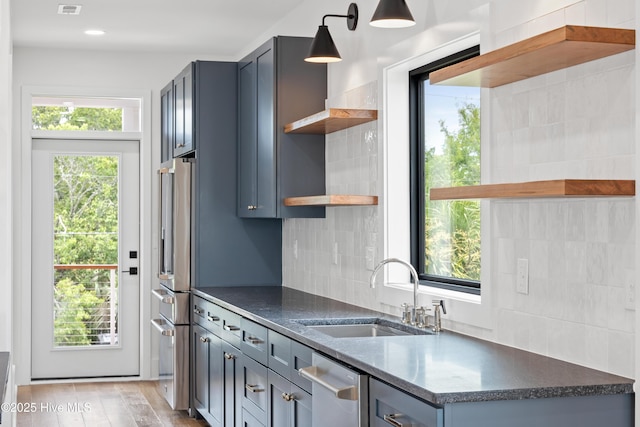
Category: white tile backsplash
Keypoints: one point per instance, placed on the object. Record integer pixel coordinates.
(573, 123)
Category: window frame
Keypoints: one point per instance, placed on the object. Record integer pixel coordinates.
(416, 171)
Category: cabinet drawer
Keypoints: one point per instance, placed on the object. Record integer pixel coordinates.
(300, 358)
(199, 308)
(280, 354)
(207, 314)
(388, 405)
(254, 341)
(231, 327)
(254, 392)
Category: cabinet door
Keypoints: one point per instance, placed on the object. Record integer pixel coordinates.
(256, 133)
(183, 93)
(167, 122)
(389, 406)
(289, 405)
(280, 399)
(232, 399)
(300, 358)
(301, 407)
(216, 381)
(247, 131)
(200, 368)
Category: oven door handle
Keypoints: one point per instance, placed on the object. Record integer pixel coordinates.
(163, 296)
(312, 374)
(160, 325)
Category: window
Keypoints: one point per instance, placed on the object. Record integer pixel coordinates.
(86, 114)
(445, 152)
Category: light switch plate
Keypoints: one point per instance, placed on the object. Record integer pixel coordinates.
(522, 276)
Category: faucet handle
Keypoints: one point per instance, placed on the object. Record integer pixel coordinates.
(421, 317)
(439, 303)
(406, 312)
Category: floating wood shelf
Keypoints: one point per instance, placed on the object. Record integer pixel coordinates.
(332, 200)
(553, 188)
(560, 48)
(331, 120)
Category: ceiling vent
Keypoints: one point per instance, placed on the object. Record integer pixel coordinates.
(69, 9)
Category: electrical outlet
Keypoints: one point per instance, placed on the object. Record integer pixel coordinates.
(295, 249)
(369, 258)
(522, 276)
(335, 253)
(630, 295)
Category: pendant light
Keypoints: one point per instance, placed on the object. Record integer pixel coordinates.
(392, 14)
(323, 49)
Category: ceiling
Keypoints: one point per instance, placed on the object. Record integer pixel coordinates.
(217, 27)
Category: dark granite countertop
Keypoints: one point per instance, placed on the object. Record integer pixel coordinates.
(4, 377)
(442, 369)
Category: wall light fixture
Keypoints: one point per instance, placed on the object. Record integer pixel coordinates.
(392, 14)
(323, 49)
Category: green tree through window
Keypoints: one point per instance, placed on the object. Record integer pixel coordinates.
(445, 123)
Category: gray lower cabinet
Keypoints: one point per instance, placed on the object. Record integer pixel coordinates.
(245, 374)
(215, 366)
(391, 407)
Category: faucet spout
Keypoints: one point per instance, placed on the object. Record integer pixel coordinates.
(414, 277)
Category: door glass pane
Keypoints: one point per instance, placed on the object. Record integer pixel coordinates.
(85, 216)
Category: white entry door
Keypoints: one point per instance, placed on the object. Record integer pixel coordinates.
(85, 240)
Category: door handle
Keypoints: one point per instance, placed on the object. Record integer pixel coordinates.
(133, 271)
(163, 296)
(311, 373)
(165, 331)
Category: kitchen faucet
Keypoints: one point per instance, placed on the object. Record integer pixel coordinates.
(414, 275)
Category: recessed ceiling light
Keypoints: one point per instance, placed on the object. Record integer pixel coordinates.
(94, 33)
(69, 9)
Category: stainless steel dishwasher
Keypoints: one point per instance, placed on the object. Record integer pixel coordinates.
(339, 394)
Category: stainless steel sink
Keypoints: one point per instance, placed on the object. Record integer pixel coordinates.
(357, 328)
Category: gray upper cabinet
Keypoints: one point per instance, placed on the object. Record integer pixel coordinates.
(276, 87)
(184, 87)
(167, 119)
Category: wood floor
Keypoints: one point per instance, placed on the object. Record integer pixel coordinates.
(117, 404)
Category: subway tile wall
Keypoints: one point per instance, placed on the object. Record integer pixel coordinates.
(351, 168)
(573, 123)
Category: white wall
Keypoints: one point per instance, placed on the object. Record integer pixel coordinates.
(6, 278)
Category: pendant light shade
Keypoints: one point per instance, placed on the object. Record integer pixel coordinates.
(323, 49)
(392, 14)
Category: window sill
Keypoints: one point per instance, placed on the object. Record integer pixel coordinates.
(437, 292)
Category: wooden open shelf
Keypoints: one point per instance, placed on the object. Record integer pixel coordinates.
(560, 48)
(332, 200)
(331, 120)
(552, 188)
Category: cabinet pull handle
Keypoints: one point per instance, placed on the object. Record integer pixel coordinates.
(252, 207)
(229, 356)
(311, 373)
(255, 388)
(254, 340)
(198, 310)
(231, 328)
(204, 339)
(163, 296)
(391, 419)
(213, 318)
(288, 397)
